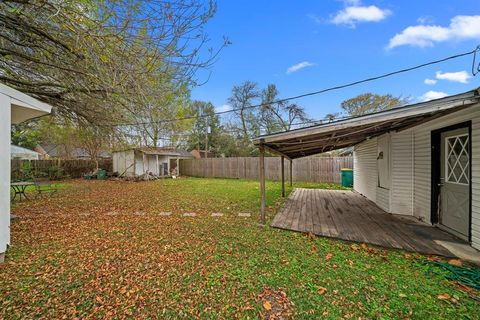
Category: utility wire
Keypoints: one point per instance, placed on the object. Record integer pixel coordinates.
(298, 125)
(350, 84)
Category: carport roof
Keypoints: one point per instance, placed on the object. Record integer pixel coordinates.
(349, 132)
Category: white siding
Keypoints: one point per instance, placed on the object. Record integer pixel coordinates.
(139, 170)
(123, 163)
(118, 159)
(422, 193)
(130, 163)
(383, 199)
(402, 173)
(152, 164)
(365, 168)
(5, 172)
(411, 169)
(476, 180)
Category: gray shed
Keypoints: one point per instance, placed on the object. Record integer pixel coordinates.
(147, 161)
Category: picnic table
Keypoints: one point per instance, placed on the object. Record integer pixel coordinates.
(19, 189)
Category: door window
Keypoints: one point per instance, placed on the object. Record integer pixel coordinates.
(457, 159)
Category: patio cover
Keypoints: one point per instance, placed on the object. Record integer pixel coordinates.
(344, 133)
(23, 106)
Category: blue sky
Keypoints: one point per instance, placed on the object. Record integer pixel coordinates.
(338, 42)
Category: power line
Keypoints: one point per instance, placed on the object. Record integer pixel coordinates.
(338, 87)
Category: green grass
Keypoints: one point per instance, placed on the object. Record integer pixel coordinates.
(71, 257)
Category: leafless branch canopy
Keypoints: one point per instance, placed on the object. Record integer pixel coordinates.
(88, 58)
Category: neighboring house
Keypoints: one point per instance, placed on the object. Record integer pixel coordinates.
(43, 154)
(144, 161)
(21, 153)
(15, 107)
(67, 152)
(199, 154)
(420, 160)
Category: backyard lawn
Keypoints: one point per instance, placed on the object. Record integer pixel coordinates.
(102, 249)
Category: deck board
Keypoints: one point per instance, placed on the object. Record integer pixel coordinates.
(348, 215)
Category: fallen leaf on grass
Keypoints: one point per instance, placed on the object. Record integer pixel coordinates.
(267, 305)
(329, 256)
(443, 296)
(276, 304)
(322, 291)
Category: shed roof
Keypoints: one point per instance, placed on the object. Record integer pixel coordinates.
(164, 151)
(348, 132)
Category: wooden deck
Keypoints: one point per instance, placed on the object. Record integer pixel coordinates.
(348, 215)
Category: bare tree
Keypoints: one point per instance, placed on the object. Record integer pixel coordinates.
(85, 57)
(279, 116)
(243, 97)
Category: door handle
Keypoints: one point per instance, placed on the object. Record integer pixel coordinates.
(440, 184)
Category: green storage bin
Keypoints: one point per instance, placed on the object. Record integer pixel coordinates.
(101, 174)
(347, 178)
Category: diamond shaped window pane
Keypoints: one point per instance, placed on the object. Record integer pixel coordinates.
(457, 170)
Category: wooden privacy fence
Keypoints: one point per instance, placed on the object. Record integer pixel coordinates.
(311, 169)
(71, 168)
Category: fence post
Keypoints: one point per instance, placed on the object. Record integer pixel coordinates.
(283, 176)
(262, 183)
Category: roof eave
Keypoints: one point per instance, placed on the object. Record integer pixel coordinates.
(469, 97)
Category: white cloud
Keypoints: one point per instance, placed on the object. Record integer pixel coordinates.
(460, 28)
(460, 76)
(356, 13)
(432, 95)
(299, 66)
(430, 82)
(223, 108)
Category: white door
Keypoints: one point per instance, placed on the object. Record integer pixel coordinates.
(455, 182)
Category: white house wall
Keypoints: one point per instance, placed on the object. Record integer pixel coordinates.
(5, 172)
(383, 172)
(475, 140)
(422, 165)
(365, 168)
(410, 190)
(402, 172)
(383, 198)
